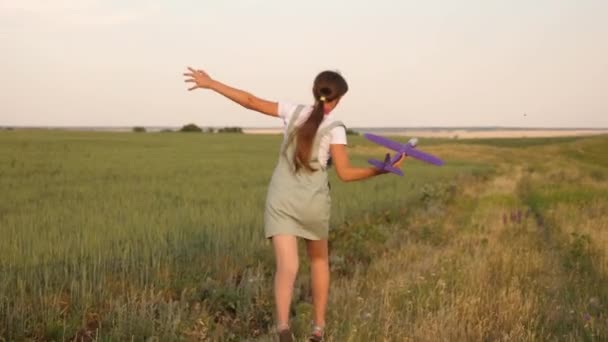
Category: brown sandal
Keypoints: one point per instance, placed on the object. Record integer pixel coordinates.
(285, 335)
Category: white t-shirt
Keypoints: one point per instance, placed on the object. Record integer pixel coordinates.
(337, 135)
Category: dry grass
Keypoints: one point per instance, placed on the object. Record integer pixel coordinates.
(507, 242)
(506, 270)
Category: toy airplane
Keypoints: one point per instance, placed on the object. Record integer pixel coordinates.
(409, 150)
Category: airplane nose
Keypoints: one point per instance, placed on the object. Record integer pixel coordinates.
(413, 142)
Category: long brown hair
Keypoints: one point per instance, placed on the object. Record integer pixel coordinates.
(328, 86)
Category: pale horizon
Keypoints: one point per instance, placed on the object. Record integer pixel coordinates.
(93, 63)
(278, 125)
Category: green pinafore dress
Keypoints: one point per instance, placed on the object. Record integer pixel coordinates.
(298, 204)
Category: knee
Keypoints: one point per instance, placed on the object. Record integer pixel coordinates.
(318, 256)
(318, 251)
(288, 268)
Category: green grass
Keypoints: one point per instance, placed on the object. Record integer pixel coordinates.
(496, 142)
(124, 235)
(519, 142)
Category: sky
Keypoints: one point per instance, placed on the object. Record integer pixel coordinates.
(408, 63)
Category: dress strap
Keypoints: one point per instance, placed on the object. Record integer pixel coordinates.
(290, 128)
(294, 118)
(320, 134)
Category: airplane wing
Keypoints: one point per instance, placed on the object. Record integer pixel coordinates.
(425, 157)
(409, 149)
(393, 145)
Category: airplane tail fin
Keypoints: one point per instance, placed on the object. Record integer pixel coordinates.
(393, 170)
(378, 164)
(384, 166)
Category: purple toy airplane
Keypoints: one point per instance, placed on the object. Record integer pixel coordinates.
(408, 149)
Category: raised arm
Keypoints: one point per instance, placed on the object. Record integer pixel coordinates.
(346, 172)
(203, 81)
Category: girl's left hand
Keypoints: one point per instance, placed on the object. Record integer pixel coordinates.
(200, 79)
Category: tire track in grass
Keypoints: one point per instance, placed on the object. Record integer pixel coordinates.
(505, 272)
(577, 292)
(482, 282)
(486, 292)
(409, 282)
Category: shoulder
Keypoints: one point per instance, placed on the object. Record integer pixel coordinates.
(338, 131)
(287, 109)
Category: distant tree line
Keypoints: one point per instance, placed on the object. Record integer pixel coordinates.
(230, 130)
(351, 132)
(189, 128)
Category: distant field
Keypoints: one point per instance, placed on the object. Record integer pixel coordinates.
(458, 133)
(124, 236)
(421, 132)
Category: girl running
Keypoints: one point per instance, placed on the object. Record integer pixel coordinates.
(298, 201)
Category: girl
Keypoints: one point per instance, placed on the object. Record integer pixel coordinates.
(298, 202)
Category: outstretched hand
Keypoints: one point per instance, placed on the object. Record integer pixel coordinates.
(200, 79)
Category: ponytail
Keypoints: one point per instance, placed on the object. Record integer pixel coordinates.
(305, 136)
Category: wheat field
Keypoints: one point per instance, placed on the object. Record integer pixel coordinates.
(158, 236)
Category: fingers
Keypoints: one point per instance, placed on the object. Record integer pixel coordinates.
(197, 71)
(192, 72)
(400, 160)
(193, 75)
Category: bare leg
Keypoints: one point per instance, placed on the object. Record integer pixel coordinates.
(286, 256)
(319, 269)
